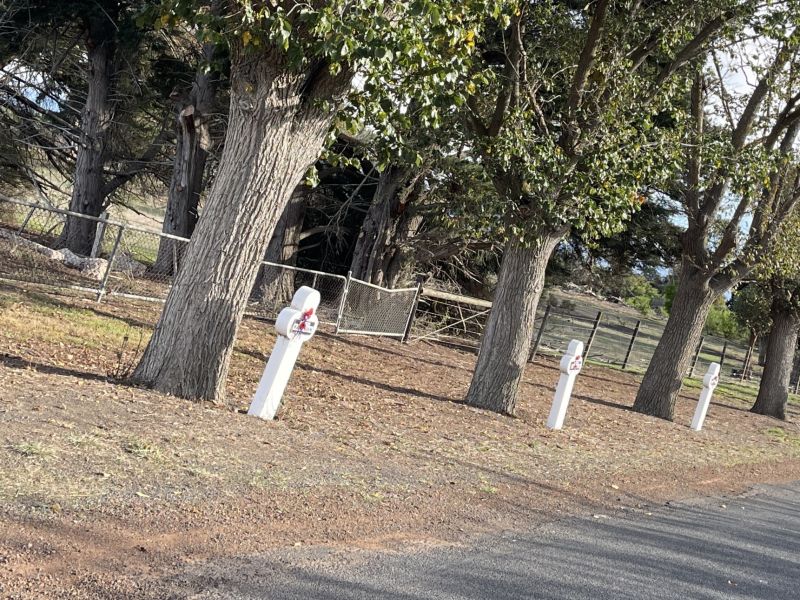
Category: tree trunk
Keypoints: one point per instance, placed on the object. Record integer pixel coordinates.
(507, 338)
(662, 381)
(274, 286)
(395, 262)
(390, 222)
(277, 126)
(88, 196)
(191, 151)
(773, 393)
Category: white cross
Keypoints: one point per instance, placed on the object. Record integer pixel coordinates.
(570, 365)
(710, 381)
(295, 325)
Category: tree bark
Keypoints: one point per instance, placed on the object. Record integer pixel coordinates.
(277, 126)
(88, 196)
(773, 392)
(391, 221)
(662, 381)
(506, 340)
(191, 152)
(274, 286)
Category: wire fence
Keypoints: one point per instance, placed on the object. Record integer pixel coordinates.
(133, 262)
(369, 308)
(610, 337)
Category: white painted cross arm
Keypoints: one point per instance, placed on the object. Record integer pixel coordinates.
(571, 364)
(295, 325)
(710, 382)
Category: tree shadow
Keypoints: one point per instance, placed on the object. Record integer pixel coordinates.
(51, 300)
(591, 375)
(680, 551)
(608, 403)
(354, 342)
(17, 362)
(371, 383)
(131, 321)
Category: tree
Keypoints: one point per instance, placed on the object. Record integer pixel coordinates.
(735, 167)
(291, 66)
(773, 391)
(649, 246)
(194, 141)
(570, 119)
(751, 306)
(392, 219)
(77, 105)
(275, 286)
(778, 276)
(110, 34)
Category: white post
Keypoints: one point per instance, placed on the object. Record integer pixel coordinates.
(710, 381)
(570, 365)
(295, 325)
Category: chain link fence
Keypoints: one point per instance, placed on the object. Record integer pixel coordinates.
(276, 284)
(138, 263)
(368, 309)
(133, 262)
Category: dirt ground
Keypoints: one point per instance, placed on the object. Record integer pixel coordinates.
(109, 491)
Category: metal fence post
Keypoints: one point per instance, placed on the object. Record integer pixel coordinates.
(110, 264)
(722, 356)
(99, 232)
(696, 356)
(590, 341)
(630, 345)
(174, 245)
(340, 310)
(413, 313)
(25, 221)
(538, 341)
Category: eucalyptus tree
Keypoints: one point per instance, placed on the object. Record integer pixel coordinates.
(292, 64)
(570, 114)
(740, 145)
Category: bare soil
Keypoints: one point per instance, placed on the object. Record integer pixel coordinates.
(108, 490)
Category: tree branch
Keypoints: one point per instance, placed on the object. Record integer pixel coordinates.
(587, 58)
(757, 97)
(137, 166)
(695, 46)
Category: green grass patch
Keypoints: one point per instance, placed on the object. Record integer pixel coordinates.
(780, 434)
(142, 449)
(33, 449)
(52, 321)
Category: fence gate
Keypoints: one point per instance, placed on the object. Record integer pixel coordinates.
(369, 309)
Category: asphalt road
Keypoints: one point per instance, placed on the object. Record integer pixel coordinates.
(746, 547)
